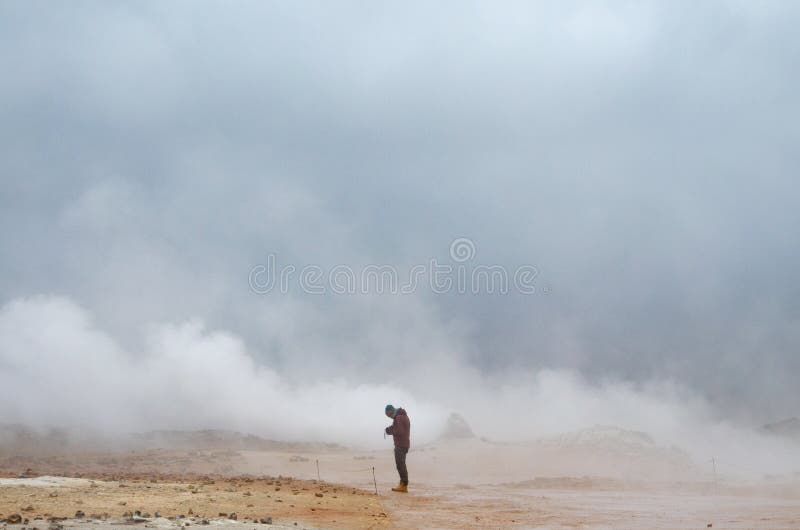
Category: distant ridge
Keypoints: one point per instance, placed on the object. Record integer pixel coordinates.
(788, 428)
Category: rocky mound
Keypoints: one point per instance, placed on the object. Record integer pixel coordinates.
(456, 428)
(611, 440)
(605, 435)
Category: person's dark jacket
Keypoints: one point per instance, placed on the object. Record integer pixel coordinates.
(400, 429)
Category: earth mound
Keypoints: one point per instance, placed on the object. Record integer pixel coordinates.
(457, 428)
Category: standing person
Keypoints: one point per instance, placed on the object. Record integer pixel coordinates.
(400, 429)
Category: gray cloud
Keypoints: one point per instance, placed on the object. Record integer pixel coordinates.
(641, 155)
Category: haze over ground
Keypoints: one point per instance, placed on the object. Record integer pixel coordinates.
(641, 156)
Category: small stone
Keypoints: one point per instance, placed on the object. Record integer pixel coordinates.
(79, 514)
(14, 518)
(318, 494)
(265, 520)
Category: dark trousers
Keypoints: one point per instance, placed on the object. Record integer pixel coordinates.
(400, 461)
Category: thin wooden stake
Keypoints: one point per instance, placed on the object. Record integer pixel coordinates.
(714, 465)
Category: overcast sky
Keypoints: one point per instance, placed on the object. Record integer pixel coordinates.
(642, 156)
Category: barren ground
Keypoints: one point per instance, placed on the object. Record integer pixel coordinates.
(459, 484)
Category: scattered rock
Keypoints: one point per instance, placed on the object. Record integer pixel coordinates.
(265, 520)
(79, 514)
(14, 518)
(318, 494)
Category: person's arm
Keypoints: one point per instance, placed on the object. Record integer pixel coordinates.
(390, 428)
(401, 426)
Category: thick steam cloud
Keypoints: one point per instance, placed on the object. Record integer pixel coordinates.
(58, 368)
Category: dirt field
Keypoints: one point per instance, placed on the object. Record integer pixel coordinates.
(185, 501)
(454, 484)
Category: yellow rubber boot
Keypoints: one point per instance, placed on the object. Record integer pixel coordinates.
(402, 488)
